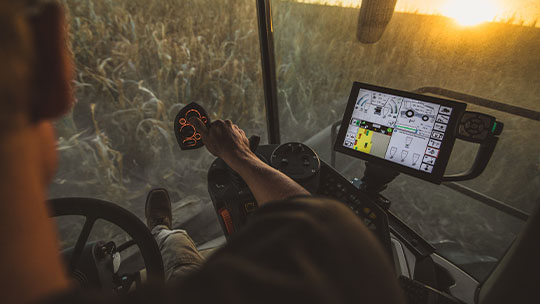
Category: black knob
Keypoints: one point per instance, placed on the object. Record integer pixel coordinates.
(187, 131)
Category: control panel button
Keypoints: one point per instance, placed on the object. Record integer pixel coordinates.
(432, 152)
(426, 168)
(434, 143)
(429, 160)
(437, 135)
(475, 126)
(187, 131)
(443, 119)
(296, 160)
(439, 127)
(445, 110)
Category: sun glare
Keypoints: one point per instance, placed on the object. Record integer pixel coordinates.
(470, 12)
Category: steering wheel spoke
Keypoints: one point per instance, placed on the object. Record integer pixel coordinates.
(94, 209)
(126, 245)
(81, 242)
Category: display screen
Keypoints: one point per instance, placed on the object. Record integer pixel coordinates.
(404, 130)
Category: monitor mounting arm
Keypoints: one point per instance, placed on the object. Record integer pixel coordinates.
(482, 129)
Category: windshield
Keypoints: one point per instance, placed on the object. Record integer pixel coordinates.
(426, 44)
(138, 63)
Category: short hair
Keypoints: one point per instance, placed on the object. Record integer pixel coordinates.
(15, 59)
(36, 67)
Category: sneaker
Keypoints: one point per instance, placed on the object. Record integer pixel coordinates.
(158, 208)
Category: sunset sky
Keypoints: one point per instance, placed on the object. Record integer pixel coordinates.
(465, 12)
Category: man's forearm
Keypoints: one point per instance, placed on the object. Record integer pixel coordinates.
(266, 183)
(226, 140)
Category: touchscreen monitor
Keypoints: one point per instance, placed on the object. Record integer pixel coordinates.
(410, 133)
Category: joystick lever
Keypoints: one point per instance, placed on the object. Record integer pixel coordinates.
(186, 134)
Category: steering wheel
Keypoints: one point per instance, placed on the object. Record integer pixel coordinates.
(94, 209)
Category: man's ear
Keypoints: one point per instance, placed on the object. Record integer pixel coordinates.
(51, 94)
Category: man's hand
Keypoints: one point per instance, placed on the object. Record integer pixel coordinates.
(224, 139)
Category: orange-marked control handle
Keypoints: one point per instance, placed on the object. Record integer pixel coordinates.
(186, 134)
(227, 220)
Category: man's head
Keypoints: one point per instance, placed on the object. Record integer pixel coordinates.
(35, 75)
(15, 60)
(36, 67)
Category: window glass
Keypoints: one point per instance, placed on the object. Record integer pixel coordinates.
(426, 44)
(138, 63)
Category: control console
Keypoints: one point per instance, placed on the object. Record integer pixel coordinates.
(298, 162)
(234, 202)
(232, 199)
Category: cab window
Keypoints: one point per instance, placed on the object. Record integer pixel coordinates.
(138, 63)
(438, 44)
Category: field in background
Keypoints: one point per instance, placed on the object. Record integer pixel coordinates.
(138, 62)
(319, 57)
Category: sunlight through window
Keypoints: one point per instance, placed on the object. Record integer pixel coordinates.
(470, 12)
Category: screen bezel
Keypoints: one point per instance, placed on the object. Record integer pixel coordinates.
(446, 146)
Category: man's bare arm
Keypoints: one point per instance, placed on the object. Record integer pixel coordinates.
(266, 183)
(227, 141)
